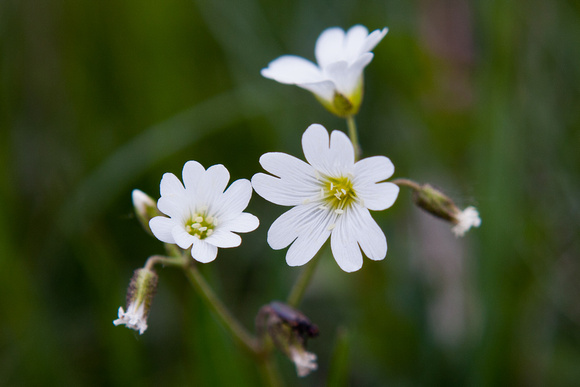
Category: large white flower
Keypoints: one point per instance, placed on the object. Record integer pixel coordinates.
(337, 81)
(201, 213)
(332, 196)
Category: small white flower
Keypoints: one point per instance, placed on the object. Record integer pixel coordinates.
(305, 361)
(134, 318)
(140, 294)
(465, 220)
(201, 215)
(337, 81)
(332, 196)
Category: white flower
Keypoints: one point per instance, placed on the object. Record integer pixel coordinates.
(337, 81)
(140, 294)
(332, 196)
(134, 318)
(201, 213)
(465, 220)
(305, 361)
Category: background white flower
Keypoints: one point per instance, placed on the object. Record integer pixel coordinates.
(201, 213)
(332, 196)
(337, 81)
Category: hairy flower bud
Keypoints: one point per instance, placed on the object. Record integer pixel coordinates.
(440, 205)
(289, 329)
(145, 208)
(140, 294)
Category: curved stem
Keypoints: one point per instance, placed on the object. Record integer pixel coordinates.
(352, 133)
(165, 261)
(299, 288)
(407, 183)
(232, 325)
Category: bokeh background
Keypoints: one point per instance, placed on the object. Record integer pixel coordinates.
(480, 98)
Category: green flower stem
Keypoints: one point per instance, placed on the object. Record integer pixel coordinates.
(261, 352)
(165, 261)
(270, 372)
(302, 282)
(407, 183)
(240, 334)
(352, 133)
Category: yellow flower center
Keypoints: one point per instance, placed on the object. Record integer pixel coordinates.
(200, 225)
(338, 193)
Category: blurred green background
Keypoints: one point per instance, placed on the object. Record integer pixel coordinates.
(480, 98)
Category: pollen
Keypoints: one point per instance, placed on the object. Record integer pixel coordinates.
(200, 225)
(337, 193)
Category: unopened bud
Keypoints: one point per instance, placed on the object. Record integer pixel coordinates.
(140, 294)
(440, 205)
(145, 208)
(289, 329)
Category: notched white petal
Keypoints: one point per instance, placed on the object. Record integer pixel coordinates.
(344, 247)
(182, 238)
(203, 252)
(161, 227)
(291, 69)
(192, 173)
(379, 196)
(224, 238)
(244, 222)
(170, 185)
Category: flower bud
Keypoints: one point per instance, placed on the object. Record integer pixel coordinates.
(145, 208)
(289, 329)
(438, 204)
(140, 294)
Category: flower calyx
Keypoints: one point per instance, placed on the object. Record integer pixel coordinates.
(289, 329)
(140, 293)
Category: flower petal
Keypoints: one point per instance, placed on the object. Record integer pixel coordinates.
(288, 167)
(244, 222)
(316, 143)
(354, 42)
(279, 192)
(372, 170)
(182, 238)
(192, 173)
(161, 227)
(223, 238)
(291, 69)
(329, 46)
(292, 223)
(234, 200)
(367, 232)
(344, 247)
(203, 252)
(373, 39)
(211, 185)
(315, 231)
(378, 197)
(323, 89)
(341, 155)
(174, 206)
(171, 186)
